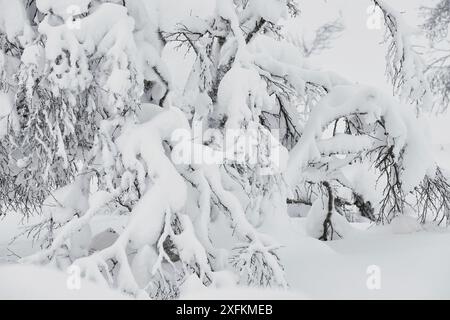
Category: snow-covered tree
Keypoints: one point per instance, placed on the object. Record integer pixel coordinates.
(142, 185)
(405, 68)
(437, 21)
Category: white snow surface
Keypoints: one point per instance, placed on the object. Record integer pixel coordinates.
(413, 263)
(28, 282)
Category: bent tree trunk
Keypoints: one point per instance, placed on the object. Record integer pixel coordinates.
(327, 225)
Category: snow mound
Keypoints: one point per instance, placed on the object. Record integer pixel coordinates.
(39, 283)
(405, 224)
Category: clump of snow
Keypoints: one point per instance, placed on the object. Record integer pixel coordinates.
(405, 224)
(272, 10)
(66, 202)
(234, 91)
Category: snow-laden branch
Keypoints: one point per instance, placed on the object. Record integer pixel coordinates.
(388, 128)
(257, 242)
(405, 67)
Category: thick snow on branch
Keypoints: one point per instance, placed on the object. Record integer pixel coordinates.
(143, 142)
(96, 202)
(403, 132)
(405, 67)
(14, 22)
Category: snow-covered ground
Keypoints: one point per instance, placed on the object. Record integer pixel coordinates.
(412, 262)
(410, 265)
